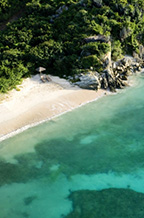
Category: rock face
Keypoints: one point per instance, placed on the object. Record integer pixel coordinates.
(100, 38)
(113, 77)
(90, 80)
(58, 13)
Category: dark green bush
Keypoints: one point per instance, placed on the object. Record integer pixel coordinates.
(44, 37)
(90, 61)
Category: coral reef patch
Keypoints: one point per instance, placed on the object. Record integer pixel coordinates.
(108, 203)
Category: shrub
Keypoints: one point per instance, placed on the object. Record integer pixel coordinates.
(90, 61)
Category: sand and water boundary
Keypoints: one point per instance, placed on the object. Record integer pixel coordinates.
(35, 102)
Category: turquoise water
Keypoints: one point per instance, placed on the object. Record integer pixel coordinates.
(91, 153)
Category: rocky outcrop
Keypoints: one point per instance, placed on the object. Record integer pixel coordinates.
(114, 74)
(89, 80)
(114, 77)
(58, 12)
(97, 3)
(98, 38)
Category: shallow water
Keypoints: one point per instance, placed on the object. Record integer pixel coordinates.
(96, 147)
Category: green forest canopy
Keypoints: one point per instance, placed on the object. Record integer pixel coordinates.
(51, 34)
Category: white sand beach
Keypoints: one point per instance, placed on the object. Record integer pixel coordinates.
(37, 101)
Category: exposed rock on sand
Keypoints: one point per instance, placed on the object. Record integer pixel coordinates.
(113, 77)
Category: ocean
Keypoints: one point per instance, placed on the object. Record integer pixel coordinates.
(87, 163)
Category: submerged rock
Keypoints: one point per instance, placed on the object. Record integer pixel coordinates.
(29, 200)
(108, 203)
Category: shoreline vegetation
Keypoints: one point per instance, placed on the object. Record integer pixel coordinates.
(93, 44)
(35, 102)
(71, 38)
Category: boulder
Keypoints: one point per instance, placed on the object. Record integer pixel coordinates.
(112, 77)
(100, 38)
(106, 62)
(114, 65)
(126, 61)
(104, 83)
(89, 80)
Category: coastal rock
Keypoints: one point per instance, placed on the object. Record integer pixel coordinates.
(104, 83)
(125, 67)
(114, 75)
(124, 76)
(120, 83)
(89, 80)
(114, 65)
(126, 61)
(106, 62)
(119, 68)
(109, 76)
(135, 55)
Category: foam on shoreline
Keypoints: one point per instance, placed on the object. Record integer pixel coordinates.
(57, 98)
(60, 97)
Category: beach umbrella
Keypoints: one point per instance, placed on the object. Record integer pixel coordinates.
(40, 69)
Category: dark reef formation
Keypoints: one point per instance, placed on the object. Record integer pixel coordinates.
(108, 203)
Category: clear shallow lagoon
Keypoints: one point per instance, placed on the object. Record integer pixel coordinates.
(88, 163)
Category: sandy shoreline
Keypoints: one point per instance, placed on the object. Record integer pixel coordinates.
(37, 102)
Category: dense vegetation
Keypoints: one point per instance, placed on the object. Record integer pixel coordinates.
(9, 7)
(51, 34)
